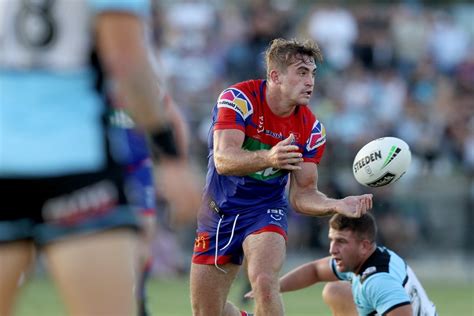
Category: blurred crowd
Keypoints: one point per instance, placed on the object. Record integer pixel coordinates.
(403, 70)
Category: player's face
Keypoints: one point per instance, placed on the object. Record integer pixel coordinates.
(298, 81)
(346, 249)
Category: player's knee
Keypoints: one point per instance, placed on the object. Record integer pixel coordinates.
(333, 293)
(263, 284)
(204, 305)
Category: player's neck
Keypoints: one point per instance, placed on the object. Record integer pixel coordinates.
(364, 260)
(277, 103)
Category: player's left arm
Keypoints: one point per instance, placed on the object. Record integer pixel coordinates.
(176, 176)
(305, 275)
(179, 126)
(305, 197)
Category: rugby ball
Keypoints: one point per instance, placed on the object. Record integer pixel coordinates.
(381, 162)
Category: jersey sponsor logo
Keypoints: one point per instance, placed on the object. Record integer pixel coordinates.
(201, 242)
(317, 137)
(276, 213)
(266, 173)
(236, 100)
(81, 204)
(278, 136)
(260, 127)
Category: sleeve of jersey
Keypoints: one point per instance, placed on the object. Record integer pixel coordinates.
(343, 276)
(315, 143)
(233, 108)
(138, 7)
(384, 293)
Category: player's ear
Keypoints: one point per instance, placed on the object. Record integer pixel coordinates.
(367, 245)
(275, 76)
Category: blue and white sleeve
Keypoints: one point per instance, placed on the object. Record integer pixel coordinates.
(384, 293)
(344, 276)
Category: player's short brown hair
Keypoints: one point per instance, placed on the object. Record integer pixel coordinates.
(281, 53)
(364, 227)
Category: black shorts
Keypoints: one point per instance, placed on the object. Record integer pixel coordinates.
(50, 208)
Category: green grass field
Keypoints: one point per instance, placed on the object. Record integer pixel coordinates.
(171, 298)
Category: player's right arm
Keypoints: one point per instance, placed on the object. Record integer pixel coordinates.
(307, 275)
(123, 53)
(179, 126)
(231, 159)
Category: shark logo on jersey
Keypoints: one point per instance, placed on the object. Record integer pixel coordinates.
(236, 100)
(317, 137)
(367, 272)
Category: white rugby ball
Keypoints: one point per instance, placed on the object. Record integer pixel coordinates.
(381, 162)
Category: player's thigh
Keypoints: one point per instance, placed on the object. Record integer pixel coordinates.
(210, 286)
(265, 253)
(338, 295)
(15, 260)
(96, 273)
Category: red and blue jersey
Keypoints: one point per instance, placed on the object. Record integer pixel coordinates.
(243, 106)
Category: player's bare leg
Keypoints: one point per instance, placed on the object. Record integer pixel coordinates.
(145, 257)
(15, 259)
(264, 272)
(104, 283)
(338, 296)
(210, 287)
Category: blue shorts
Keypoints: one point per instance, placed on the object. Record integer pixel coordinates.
(228, 232)
(140, 187)
(48, 209)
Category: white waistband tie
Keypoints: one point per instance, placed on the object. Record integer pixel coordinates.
(228, 243)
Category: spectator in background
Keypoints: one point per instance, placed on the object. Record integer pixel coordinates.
(409, 30)
(264, 22)
(336, 30)
(448, 43)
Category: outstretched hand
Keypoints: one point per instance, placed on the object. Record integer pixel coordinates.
(284, 155)
(355, 206)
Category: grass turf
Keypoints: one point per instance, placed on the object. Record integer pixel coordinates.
(170, 297)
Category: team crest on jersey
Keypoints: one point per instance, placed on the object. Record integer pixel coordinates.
(201, 242)
(317, 137)
(236, 100)
(368, 272)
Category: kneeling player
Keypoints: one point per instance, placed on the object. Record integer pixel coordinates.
(382, 282)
